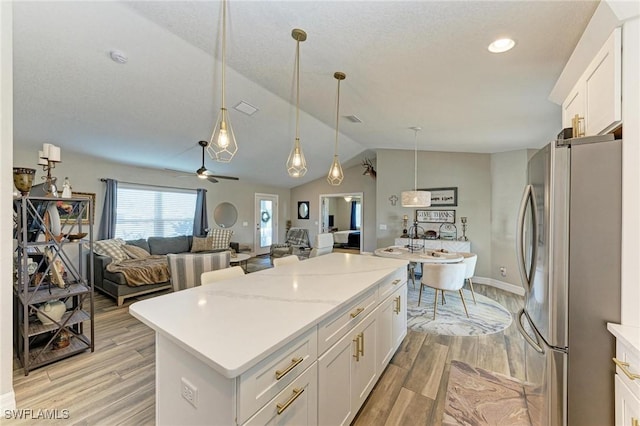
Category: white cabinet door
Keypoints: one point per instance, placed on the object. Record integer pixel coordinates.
(627, 405)
(392, 326)
(603, 87)
(364, 366)
(574, 105)
(399, 318)
(334, 383)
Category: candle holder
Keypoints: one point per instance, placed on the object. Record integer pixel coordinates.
(405, 222)
(414, 235)
(463, 219)
(47, 158)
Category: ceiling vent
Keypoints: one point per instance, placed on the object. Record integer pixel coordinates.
(353, 118)
(246, 108)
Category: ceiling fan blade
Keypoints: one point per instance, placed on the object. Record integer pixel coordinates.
(209, 176)
(212, 179)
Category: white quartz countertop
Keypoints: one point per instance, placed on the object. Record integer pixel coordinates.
(627, 334)
(233, 323)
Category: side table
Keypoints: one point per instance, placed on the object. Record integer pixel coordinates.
(241, 257)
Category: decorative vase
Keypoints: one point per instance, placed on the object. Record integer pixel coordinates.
(54, 309)
(23, 179)
(62, 340)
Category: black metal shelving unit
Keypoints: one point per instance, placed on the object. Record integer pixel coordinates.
(57, 275)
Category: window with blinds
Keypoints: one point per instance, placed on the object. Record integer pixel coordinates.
(152, 211)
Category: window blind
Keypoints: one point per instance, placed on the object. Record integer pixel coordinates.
(151, 211)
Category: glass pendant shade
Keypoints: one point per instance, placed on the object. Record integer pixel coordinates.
(222, 146)
(416, 198)
(335, 175)
(296, 164)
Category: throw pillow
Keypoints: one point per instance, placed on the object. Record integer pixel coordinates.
(221, 238)
(135, 252)
(111, 248)
(201, 244)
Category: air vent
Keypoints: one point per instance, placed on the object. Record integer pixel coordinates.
(353, 118)
(246, 108)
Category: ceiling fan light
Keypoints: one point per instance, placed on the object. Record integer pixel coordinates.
(222, 146)
(416, 198)
(335, 175)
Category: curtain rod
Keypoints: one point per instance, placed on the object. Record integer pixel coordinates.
(154, 186)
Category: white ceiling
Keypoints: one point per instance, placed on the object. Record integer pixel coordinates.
(417, 63)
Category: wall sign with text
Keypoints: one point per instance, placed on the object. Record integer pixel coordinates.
(443, 196)
(436, 216)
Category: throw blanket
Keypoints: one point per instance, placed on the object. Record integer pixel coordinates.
(137, 272)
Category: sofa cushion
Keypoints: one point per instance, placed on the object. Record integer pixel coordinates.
(201, 244)
(142, 243)
(166, 245)
(111, 248)
(220, 238)
(135, 252)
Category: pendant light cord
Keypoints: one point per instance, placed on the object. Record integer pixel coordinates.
(297, 86)
(335, 148)
(415, 161)
(224, 47)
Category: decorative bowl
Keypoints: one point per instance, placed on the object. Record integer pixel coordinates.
(74, 237)
(55, 309)
(23, 179)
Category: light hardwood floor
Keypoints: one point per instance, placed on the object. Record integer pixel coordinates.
(115, 384)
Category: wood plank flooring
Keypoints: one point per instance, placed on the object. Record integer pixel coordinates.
(115, 385)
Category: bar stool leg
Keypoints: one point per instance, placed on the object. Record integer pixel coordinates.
(420, 295)
(472, 292)
(435, 303)
(463, 303)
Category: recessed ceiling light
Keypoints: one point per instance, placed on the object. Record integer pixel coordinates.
(246, 108)
(501, 45)
(353, 119)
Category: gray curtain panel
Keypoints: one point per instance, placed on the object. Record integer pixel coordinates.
(107, 228)
(200, 221)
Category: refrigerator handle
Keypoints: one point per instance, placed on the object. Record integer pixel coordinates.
(527, 200)
(535, 344)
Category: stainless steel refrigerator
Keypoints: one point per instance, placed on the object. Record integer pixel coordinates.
(568, 245)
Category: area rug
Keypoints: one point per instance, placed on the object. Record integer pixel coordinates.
(485, 317)
(480, 397)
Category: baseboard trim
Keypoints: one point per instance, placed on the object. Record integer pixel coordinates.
(8, 401)
(511, 288)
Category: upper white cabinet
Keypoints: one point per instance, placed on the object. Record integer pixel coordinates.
(597, 96)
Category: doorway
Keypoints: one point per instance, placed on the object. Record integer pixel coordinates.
(342, 215)
(266, 220)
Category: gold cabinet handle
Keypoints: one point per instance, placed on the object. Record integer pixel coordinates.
(281, 373)
(623, 366)
(634, 421)
(398, 306)
(357, 342)
(577, 123)
(361, 336)
(296, 393)
(395, 282)
(357, 312)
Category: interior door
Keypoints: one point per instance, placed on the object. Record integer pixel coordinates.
(266, 220)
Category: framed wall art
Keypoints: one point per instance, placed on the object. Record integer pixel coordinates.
(69, 210)
(436, 216)
(443, 197)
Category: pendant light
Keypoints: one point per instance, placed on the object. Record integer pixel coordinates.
(296, 164)
(416, 198)
(222, 146)
(335, 175)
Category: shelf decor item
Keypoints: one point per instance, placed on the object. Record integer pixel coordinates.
(463, 219)
(23, 179)
(47, 158)
(51, 311)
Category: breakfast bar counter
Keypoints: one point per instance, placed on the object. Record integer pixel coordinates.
(234, 352)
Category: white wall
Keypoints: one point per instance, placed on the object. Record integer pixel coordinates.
(508, 178)
(354, 181)
(85, 173)
(470, 173)
(7, 397)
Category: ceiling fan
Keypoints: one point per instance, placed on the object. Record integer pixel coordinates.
(203, 173)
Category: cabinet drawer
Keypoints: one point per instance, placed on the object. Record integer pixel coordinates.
(627, 405)
(268, 378)
(333, 328)
(297, 404)
(392, 283)
(623, 354)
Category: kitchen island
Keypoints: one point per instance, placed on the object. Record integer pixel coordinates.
(298, 344)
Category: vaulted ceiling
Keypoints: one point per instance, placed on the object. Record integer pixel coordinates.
(416, 63)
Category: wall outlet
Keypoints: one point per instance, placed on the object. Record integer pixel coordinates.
(383, 227)
(503, 271)
(189, 392)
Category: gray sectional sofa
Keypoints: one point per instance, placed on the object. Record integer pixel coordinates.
(115, 285)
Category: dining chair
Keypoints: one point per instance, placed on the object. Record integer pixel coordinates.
(221, 274)
(470, 260)
(323, 244)
(285, 260)
(444, 277)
